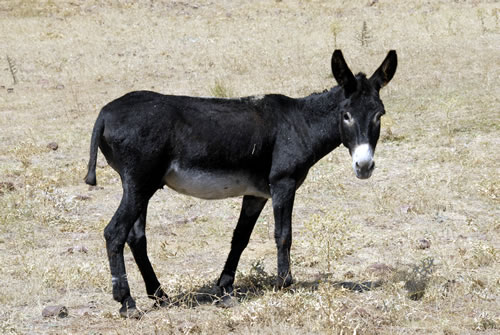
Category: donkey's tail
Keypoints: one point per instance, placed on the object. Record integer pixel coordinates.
(90, 178)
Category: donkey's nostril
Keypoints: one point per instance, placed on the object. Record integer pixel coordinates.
(365, 165)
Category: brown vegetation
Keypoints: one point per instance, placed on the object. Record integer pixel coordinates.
(437, 178)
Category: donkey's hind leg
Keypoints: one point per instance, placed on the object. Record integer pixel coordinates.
(138, 245)
(136, 195)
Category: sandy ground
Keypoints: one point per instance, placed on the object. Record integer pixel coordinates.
(437, 176)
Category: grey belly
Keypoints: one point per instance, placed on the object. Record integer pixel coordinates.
(213, 184)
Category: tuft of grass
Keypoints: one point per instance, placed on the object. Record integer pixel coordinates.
(482, 255)
(435, 174)
(389, 136)
(256, 280)
(12, 69)
(387, 131)
(364, 36)
(33, 8)
(417, 279)
(329, 234)
(335, 29)
(495, 12)
(481, 16)
(485, 322)
(221, 90)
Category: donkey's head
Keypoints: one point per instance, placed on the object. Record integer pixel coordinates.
(361, 109)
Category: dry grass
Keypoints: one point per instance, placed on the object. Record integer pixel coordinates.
(437, 177)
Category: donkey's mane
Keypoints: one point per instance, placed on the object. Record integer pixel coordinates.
(364, 84)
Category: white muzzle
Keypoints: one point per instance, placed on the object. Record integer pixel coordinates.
(362, 161)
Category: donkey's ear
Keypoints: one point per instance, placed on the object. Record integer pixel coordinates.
(386, 71)
(343, 74)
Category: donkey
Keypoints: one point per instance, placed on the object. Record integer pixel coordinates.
(257, 147)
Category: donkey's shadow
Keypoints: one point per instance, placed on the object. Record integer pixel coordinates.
(251, 287)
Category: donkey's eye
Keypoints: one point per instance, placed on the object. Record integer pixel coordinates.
(347, 117)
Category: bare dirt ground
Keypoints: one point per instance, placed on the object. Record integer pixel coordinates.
(426, 223)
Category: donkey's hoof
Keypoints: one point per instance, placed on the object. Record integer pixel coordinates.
(131, 313)
(283, 282)
(228, 301)
(162, 302)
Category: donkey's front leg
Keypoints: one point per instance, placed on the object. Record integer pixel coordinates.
(250, 211)
(283, 194)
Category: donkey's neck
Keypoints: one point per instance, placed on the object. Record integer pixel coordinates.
(321, 113)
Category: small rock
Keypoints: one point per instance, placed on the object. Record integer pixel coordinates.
(76, 248)
(53, 146)
(82, 310)
(81, 248)
(95, 188)
(187, 220)
(423, 244)
(60, 87)
(82, 197)
(59, 311)
(10, 90)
